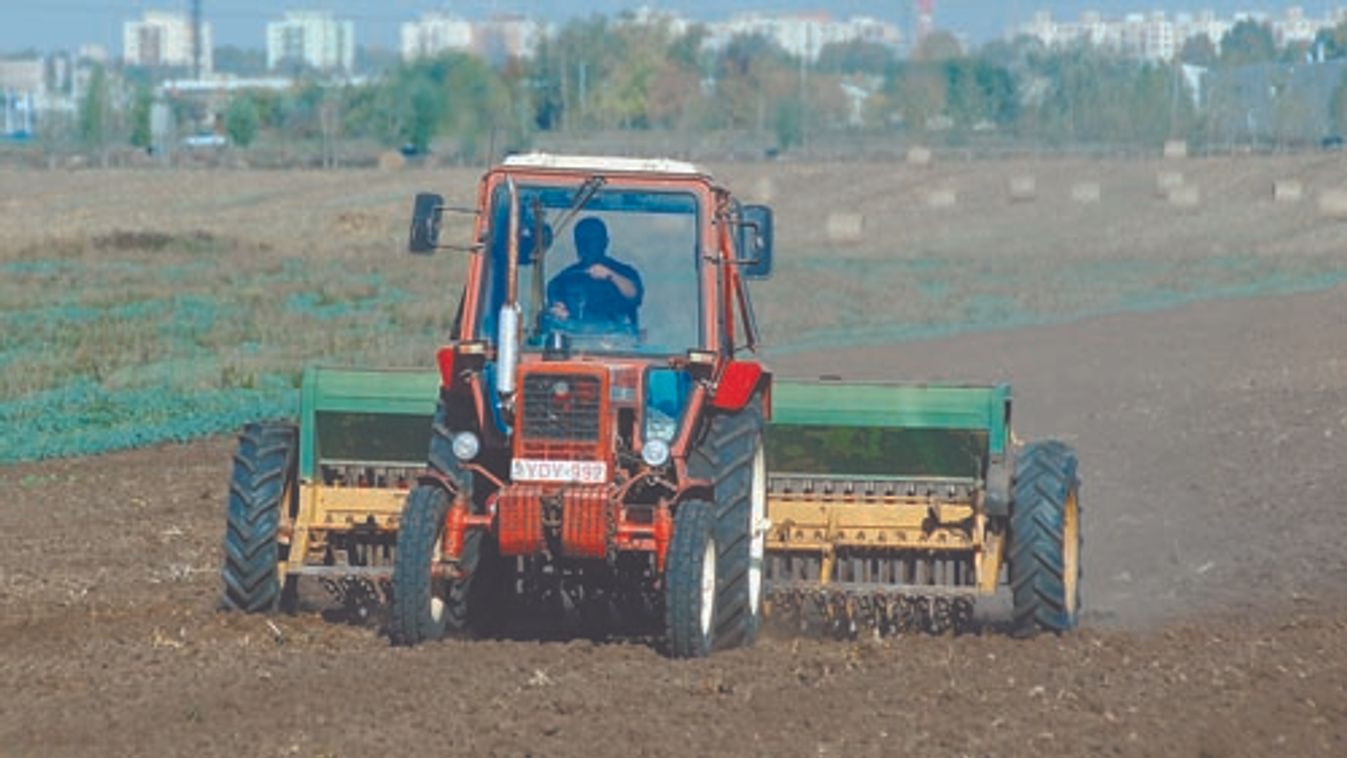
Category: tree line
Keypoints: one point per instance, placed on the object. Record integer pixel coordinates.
(601, 74)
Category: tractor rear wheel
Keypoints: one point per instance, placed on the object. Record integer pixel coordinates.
(261, 490)
(1045, 539)
(730, 455)
(427, 603)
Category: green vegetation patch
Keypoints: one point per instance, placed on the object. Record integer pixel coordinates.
(137, 338)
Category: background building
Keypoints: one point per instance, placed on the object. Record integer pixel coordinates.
(165, 39)
(803, 35)
(311, 38)
(435, 33)
(1155, 36)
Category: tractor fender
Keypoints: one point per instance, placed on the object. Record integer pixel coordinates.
(432, 478)
(739, 382)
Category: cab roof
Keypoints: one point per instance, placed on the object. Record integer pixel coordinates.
(603, 164)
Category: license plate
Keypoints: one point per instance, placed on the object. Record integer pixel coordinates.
(584, 472)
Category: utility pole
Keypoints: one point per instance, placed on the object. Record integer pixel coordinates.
(804, 84)
(196, 40)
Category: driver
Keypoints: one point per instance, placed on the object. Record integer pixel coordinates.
(595, 288)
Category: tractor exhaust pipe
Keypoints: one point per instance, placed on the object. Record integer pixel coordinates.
(507, 335)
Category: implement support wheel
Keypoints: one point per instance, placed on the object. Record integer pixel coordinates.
(1045, 539)
(261, 494)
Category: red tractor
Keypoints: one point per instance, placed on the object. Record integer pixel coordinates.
(598, 441)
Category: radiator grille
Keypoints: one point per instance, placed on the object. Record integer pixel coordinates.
(560, 413)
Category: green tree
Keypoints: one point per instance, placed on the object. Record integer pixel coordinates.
(94, 110)
(788, 121)
(939, 45)
(855, 57)
(1199, 50)
(1333, 41)
(1338, 107)
(141, 107)
(242, 120)
(1247, 42)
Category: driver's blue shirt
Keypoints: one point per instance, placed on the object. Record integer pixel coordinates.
(590, 299)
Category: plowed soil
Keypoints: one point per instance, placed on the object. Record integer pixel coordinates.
(1212, 450)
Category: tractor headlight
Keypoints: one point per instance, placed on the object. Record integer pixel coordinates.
(655, 452)
(466, 446)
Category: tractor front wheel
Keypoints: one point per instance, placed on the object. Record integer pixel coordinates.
(427, 601)
(419, 590)
(261, 489)
(691, 582)
(1045, 539)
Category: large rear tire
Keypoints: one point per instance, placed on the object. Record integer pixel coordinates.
(730, 455)
(261, 489)
(1045, 539)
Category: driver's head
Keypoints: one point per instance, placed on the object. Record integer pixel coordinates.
(591, 240)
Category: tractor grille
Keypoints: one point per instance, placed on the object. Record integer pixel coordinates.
(560, 416)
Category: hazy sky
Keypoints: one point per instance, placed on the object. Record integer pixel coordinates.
(57, 24)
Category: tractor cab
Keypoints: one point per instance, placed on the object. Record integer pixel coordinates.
(600, 292)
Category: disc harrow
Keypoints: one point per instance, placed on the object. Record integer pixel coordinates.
(848, 613)
(873, 597)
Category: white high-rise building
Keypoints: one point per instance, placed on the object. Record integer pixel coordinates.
(1154, 37)
(435, 33)
(161, 38)
(313, 38)
(802, 34)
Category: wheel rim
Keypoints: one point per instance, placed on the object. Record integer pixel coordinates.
(437, 584)
(758, 524)
(1071, 553)
(708, 587)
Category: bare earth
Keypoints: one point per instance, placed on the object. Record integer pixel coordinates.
(1212, 440)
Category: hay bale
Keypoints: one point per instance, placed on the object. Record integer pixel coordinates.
(1023, 189)
(1333, 204)
(1185, 196)
(1085, 193)
(846, 227)
(918, 156)
(942, 198)
(391, 160)
(1167, 181)
(1176, 148)
(1287, 191)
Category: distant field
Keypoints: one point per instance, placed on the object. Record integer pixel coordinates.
(142, 306)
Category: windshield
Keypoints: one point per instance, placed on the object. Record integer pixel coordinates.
(617, 271)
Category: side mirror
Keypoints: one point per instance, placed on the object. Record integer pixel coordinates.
(755, 241)
(424, 235)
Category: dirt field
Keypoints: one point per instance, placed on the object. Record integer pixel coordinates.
(1212, 436)
(1216, 590)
